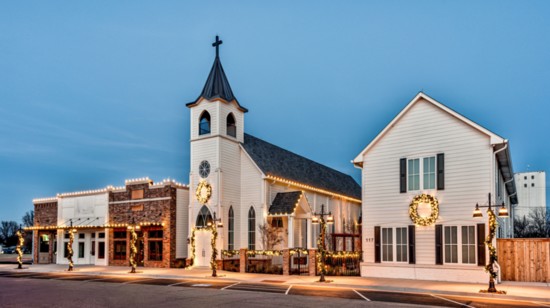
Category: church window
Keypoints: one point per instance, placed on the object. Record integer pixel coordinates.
(203, 218)
(204, 169)
(204, 123)
(231, 126)
(231, 230)
(251, 229)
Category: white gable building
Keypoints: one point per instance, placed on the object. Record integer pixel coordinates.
(439, 164)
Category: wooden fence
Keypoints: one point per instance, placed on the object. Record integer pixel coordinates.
(524, 259)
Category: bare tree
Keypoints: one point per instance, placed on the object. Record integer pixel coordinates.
(521, 227)
(7, 232)
(28, 219)
(538, 223)
(271, 236)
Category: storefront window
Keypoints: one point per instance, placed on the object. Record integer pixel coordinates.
(119, 245)
(155, 245)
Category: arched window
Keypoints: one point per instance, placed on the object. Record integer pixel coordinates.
(203, 218)
(251, 229)
(231, 230)
(204, 123)
(231, 126)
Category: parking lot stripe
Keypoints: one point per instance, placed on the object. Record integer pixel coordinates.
(288, 290)
(176, 284)
(452, 301)
(363, 296)
(229, 286)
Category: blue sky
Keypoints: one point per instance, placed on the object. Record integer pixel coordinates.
(94, 92)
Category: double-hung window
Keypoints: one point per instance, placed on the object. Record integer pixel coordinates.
(401, 244)
(421, 173)
(460, 242)
(394, 244)
(387, 244)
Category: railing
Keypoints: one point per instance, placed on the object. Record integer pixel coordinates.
(231, 260)
(342, 263)
(299, 261)
(265, 261)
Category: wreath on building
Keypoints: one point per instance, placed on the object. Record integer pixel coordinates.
(203, 192)
(434, 210)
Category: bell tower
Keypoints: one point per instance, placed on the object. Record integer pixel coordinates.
(217, 130)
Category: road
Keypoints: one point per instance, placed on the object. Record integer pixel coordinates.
(32, 289)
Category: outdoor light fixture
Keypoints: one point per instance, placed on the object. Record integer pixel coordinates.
(492, 221)
(320, 218)
(477, 212)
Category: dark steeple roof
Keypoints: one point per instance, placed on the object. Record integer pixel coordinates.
(285, 203)
(276, 161)
(217, 86)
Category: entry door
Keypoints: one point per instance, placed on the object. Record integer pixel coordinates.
(203, 248)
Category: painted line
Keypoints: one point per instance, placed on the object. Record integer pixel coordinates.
(229, 286)
(452, 301)
(177, 283)
(288, 290)
(128, 282)
(363, 296)
(542, 304)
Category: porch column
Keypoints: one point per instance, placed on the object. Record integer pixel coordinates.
(290, 243)
(308, 233)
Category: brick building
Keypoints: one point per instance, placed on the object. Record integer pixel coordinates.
(101, 219)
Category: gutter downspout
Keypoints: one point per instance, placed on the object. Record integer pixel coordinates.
(493, 176)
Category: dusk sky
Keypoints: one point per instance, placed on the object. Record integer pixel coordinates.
(94, 92)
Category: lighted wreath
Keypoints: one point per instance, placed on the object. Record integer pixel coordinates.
(203, 192)
(434, 210)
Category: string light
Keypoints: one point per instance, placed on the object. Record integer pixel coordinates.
(20, 242)
(264, 252)
(305, 186)
(229, 253)
(70, 249)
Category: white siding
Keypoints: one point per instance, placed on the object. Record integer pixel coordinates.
(251, 195)
(425, 130)
(182, 222)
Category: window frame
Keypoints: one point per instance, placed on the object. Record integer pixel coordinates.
(394, 246)
(252, 228)
(459, 244)
(421, 173)
(230, 229)
(231, 128)
(206, 116)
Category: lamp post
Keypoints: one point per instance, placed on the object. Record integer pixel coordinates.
(213, 225)
(133, 249)
(70, 246)
(492, 220)
(319, 217)
(20, 242)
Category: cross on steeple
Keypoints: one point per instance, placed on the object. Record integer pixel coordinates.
(217, 44)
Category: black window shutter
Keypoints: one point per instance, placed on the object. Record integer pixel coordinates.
(377, 244)
(412, 248)
(440, 171)
(403, 175)
(481, 244)
(439, 244)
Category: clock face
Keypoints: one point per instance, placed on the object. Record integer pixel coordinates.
(204, 169)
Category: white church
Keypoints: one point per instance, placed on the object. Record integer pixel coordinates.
(247, 182)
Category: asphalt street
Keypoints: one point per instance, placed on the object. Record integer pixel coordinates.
(15, 288)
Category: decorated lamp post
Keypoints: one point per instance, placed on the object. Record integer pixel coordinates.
(70, 246)
(213, 225)
(133, 249)
(321, 245)
(19, 249)
(502, 212)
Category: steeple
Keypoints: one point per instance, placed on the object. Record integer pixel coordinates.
(217, 86)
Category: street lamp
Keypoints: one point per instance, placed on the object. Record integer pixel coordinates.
(20, 242)
(219, 224)
(319, 217)
(70, 246)
(502, 212)
(133, 249)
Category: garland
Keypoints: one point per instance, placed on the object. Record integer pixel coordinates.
(264, 252)
(193, 246)
(298, 250)
(321, 251)
(21, 241)
(229, 253)
(133, 250)
(70, 249)
(413, 210)
(489, 242)
(213, 263)
(344, 254)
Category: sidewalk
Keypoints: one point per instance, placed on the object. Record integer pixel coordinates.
(515, 290)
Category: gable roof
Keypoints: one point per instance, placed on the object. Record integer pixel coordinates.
(278, 162)
(217, 87)
(495, 139)
(285, 203)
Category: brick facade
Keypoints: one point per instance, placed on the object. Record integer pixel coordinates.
(45, 215)
(158, 205)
